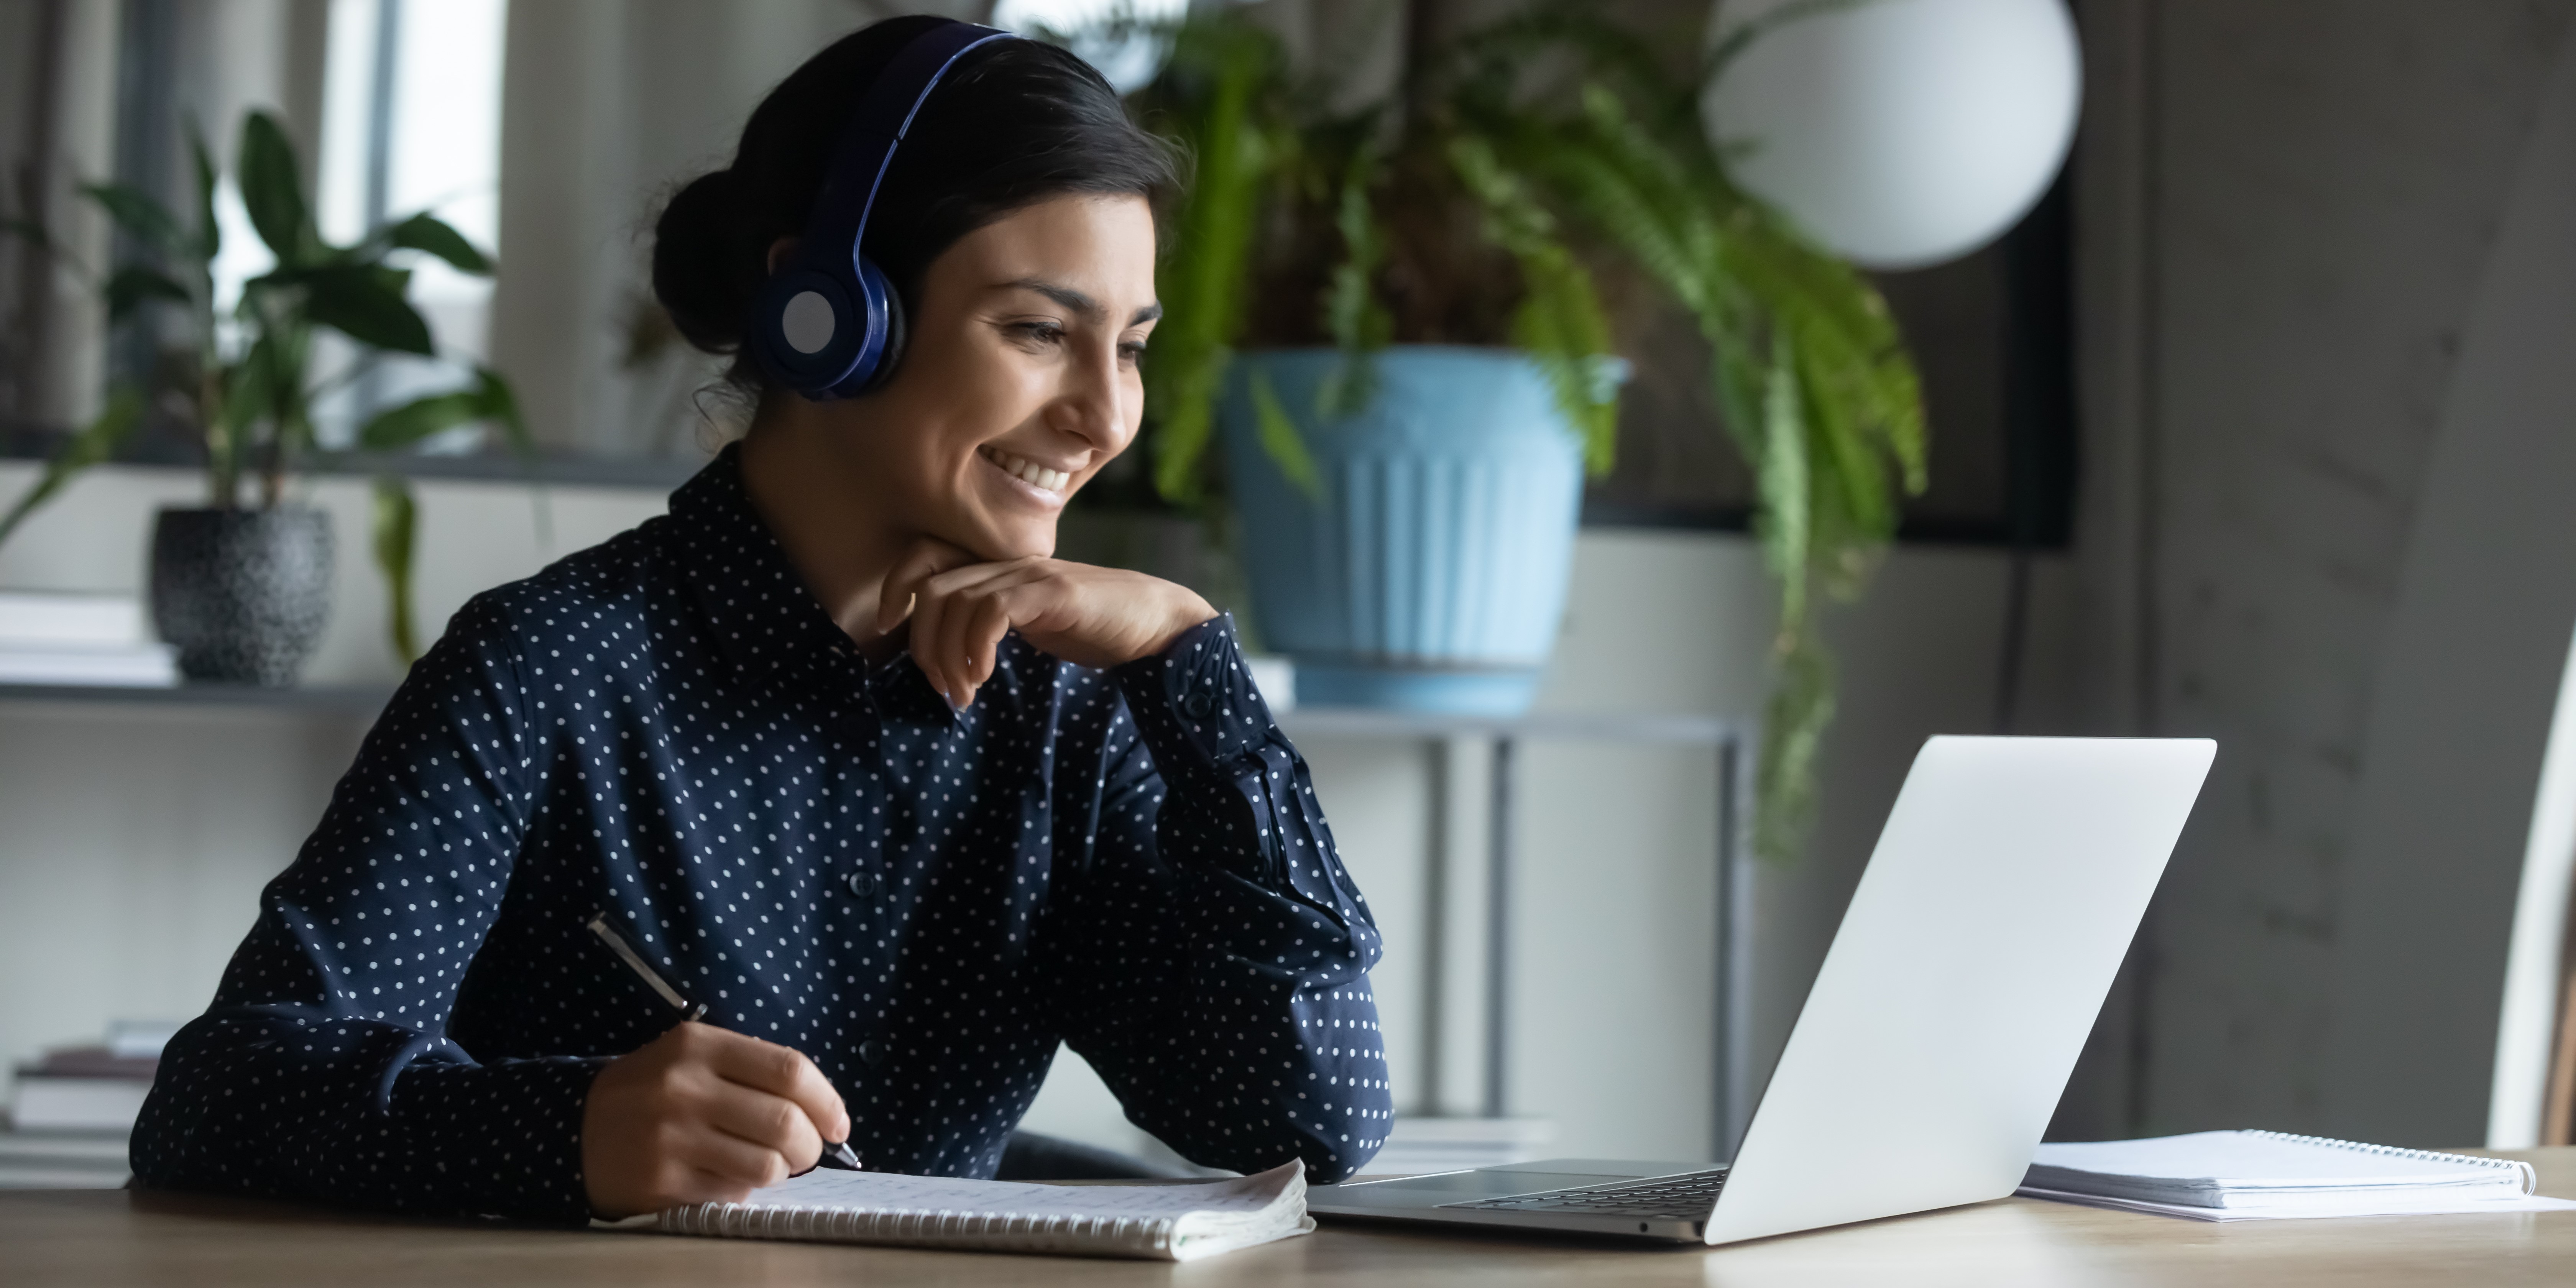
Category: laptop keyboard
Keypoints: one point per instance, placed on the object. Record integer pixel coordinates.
(1687, 1197)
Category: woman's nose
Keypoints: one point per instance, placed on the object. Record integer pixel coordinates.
(1093, 403)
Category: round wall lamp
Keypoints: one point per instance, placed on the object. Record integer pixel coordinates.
(1897, 133)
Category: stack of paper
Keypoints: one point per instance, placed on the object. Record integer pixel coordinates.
(50, 637)
(2236, 1175)
(90, 1088)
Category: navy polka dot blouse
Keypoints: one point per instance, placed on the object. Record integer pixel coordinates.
(669, 727)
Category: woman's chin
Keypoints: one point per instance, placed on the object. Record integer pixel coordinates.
(999, 538)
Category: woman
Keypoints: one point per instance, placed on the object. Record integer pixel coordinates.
(900, 798)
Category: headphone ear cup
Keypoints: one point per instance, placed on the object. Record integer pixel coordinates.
(805, 332)
(895, 330)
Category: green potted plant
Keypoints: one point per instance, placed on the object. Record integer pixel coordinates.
(242, 584)
(1376, 306)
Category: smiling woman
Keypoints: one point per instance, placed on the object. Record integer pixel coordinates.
(901, 800)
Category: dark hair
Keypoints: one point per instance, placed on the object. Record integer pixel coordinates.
(1016, 123)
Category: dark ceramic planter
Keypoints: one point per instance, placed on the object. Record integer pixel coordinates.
(244, 594)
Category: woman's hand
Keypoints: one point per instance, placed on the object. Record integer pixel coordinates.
(960, 609)
(702, 1115)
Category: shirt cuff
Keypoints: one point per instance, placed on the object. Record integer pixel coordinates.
(503, 1138)
(1199, 692)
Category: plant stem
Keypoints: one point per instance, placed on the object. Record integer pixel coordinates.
(210, 422)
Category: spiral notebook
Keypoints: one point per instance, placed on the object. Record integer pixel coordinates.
(2240, 1175)
(1182, 1222)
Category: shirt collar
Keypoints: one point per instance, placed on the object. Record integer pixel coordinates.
(764, 619)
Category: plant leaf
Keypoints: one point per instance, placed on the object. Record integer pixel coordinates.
(131, 285)
(1202, 280)
(1354, 317)
(1794, 720)
(1281, 442)
(1783, 477)
(365, 303)
(142, 217)
(210, 235)
(488, 399)
(430, 234)
(272, 189)
(397, 528)
(95, 442)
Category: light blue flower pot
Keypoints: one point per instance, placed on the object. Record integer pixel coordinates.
(1429, 573)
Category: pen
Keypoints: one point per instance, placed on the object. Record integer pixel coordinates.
(836, 1153)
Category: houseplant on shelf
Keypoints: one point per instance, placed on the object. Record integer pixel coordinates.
(1394, 315)
(242, 586)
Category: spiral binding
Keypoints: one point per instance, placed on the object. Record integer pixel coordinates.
(2530, 1179)
(920, 1228)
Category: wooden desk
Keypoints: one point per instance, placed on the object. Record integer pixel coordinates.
(113, 1238)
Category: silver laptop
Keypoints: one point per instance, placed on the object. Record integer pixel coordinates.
(1940, 1032)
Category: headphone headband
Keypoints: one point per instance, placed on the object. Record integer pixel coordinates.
(840, 215)
(828, 324)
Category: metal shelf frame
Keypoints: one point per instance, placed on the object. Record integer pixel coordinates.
(1731, 1092)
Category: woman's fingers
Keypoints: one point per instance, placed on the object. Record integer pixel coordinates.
(701, 1107)
(927, 558)
(935, 603)
(952, 615)
(975, 621)
(785, 1074)
(779, 1127)
(960, 609)
(731, 1158)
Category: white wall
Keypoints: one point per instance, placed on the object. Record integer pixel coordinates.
(2292, 212)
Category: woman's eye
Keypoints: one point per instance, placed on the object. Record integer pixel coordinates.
(1132, 352)
(1038, 332)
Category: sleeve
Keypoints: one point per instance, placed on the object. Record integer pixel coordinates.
(323, 1070)
(1216, 954)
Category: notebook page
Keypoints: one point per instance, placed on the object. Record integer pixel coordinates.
(832, 1191)
(2256, 1160)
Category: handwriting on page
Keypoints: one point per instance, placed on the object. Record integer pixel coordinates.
(885, 1192)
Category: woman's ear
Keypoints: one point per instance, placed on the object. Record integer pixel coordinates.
(781, 251)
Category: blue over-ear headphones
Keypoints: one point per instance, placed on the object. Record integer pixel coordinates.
(829, 325)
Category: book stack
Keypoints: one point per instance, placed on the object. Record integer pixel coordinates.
(71, 1111)
(52, 637)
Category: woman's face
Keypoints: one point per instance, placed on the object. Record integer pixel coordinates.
(1018, 380)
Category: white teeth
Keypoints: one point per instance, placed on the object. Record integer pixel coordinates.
(1030, 472)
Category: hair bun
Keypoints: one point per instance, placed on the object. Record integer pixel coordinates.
(696, 275)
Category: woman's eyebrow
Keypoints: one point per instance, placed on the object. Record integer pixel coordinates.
(1078, 301)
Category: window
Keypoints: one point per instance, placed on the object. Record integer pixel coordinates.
(411, 121)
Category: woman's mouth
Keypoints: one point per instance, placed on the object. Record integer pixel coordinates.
(1044, 479)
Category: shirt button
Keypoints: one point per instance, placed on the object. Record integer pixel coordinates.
(870, 1053)
(863, 883)
(1196, 704)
